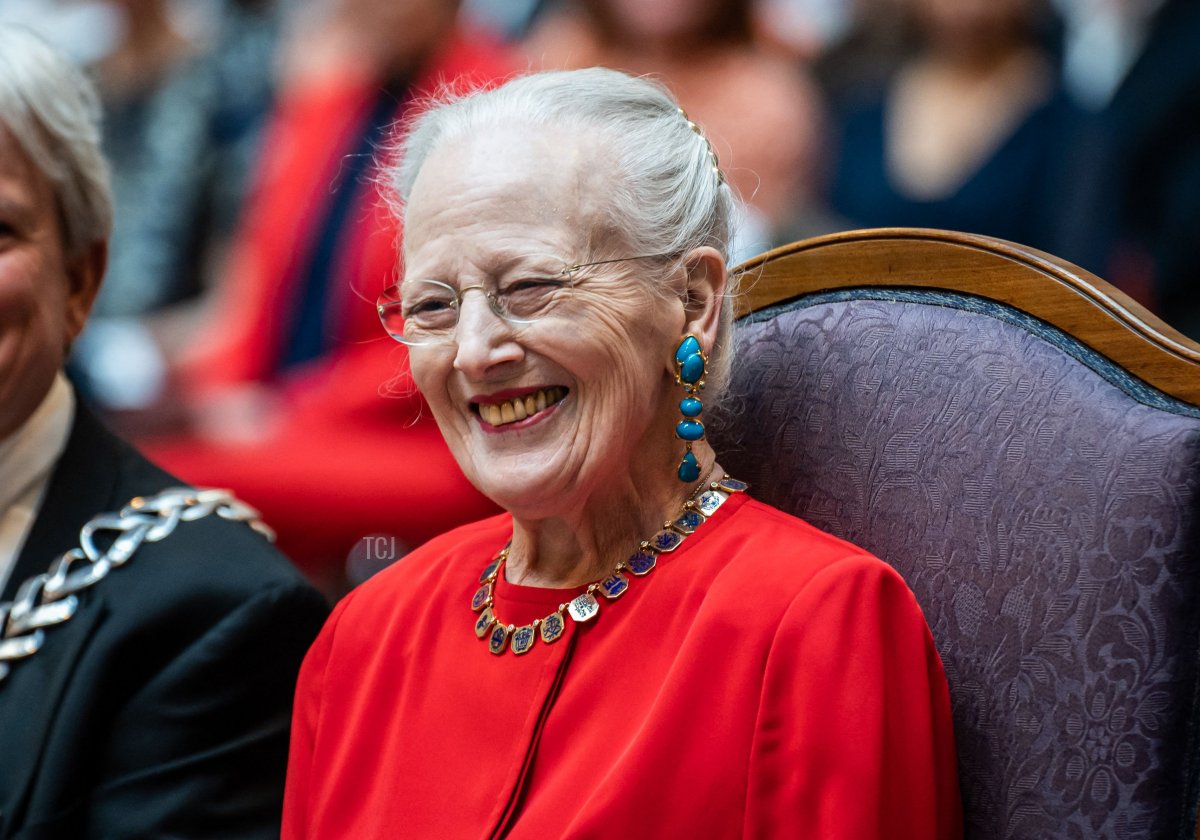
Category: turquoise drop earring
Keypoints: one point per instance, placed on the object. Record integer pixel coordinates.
(689, 372)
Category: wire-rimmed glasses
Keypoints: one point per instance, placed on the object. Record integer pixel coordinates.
(420, 312)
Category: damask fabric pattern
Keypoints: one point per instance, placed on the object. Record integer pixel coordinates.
(1046, 520)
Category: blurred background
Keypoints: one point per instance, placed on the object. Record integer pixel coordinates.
(235, 338)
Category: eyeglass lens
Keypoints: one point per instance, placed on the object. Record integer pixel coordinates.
(423, 311)
(427, 311)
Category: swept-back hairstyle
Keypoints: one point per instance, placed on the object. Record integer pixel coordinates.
(52, 111)
(666, 194)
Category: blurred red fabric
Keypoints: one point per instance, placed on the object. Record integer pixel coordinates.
(349, 450)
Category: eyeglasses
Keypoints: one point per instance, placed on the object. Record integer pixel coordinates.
(422, 312)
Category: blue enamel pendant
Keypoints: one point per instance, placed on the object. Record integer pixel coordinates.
(666, 541)
(614, 586)
(486, 619)
(584, 607)
(489, 573)
(496, 641)
(709, 501)
(642, 562)
(552, 627)
(522, 639)
(687, 522)
(482, 597)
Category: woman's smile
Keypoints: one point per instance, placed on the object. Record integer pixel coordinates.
(517, 408)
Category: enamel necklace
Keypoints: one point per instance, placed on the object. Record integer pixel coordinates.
(584, 607)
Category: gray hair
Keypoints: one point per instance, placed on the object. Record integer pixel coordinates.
(52, 111)
(669, 195)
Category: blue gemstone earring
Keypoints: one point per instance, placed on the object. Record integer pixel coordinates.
(689, 372)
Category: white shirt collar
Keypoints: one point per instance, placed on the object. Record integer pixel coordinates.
(27, 457)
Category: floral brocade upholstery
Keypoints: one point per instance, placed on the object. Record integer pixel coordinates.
(1045, 509)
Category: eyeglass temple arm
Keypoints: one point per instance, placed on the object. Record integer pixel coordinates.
(571, 269)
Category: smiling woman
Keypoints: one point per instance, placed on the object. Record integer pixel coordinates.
(567, 308)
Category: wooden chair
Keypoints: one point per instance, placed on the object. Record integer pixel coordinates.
(1022, 442)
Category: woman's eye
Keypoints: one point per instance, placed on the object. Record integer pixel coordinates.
(428, 307)
(531, 296)
(533, 284)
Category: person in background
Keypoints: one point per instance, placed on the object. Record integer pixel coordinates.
(960, 135)
(1126, 182)
(575, 667)
(875, 39)
(185, 88)
(282, 385)
(149, 637)
(764, 115)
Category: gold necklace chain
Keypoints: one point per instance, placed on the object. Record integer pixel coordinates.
(584, 607)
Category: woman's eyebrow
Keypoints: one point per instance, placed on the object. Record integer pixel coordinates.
(499, 265)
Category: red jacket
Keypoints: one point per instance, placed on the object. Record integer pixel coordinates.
(764, 680)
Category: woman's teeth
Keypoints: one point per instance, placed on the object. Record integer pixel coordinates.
(518, 408)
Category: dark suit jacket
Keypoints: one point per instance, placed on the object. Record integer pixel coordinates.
(1127, 201)
(162, 708)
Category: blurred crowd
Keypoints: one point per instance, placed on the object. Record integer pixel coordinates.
(235, 336)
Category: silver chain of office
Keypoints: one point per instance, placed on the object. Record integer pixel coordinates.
(49, 599)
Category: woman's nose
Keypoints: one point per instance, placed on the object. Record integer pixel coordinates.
(483, 339)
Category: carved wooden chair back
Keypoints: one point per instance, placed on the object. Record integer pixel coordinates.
(1022, 442)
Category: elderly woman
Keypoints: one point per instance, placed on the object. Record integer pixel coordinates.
(576, 667)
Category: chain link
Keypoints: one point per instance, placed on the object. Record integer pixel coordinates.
(51, 598)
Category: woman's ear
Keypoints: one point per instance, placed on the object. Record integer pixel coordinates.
(84, 273)
(707, 278)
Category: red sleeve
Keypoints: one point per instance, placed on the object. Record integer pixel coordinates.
(306, 715)
(854, 736)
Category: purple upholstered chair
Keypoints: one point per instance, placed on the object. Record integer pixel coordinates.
(1022, 442)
